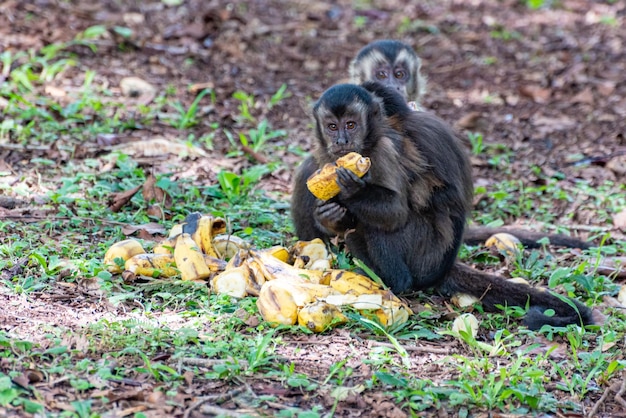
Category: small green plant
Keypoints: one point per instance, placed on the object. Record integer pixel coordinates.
(258, 137)
(188, 118)
(235, 186)
(476, 139)
(246, 103)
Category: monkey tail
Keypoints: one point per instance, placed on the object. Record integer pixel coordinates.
(493, 290)
(530, 239)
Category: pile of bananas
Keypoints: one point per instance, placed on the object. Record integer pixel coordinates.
(295, 285)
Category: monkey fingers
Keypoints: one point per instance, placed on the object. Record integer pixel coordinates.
(349, 183)
(333, 217)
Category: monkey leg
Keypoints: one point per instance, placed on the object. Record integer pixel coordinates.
(378, 250)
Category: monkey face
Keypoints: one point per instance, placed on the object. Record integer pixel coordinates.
(342, 134)
(341, 117)
(391, 63)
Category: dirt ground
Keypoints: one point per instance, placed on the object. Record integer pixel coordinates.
(549, 85)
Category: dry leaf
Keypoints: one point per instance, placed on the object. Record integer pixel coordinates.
(619, 220)
(538, 94)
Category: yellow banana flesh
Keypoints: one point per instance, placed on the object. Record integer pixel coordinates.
(152, 265)
(323, 183)
(234, 282)
(320, 316)
(190, 260)
(506, 243)
(124, 250)
(392, 313)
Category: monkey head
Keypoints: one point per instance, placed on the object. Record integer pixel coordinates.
(345, 116)
(392, 63)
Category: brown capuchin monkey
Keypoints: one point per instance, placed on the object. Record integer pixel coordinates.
(396, 65)
(406, 217)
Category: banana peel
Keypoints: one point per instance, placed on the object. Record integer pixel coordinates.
(323, 183)
(205, 229)
(273, 269)
(280, 300)
(190, 260)
(320, 316)
(226, 246)
(121, 250)
(152, 265)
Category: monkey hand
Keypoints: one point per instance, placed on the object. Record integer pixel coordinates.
(349, 183)
(333, 217)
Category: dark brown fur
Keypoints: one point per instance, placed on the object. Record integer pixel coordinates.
(405, 218)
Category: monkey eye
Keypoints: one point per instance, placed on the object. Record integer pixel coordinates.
(399, 74)
(381, 75)
(350, 125)
(332, 126)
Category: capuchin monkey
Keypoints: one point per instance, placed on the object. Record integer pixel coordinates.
(394, 64)
(397, 66)
(405, 218)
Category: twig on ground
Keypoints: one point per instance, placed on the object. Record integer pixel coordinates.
(216, 399)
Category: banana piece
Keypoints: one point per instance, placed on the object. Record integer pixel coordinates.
(350, 282)
(323, 183)
(319, 316)
(190, 260)
(280, 299)
(359, 302)
(279, 252)
(207, 226)
(234, 282)
(310, 252)
(216, 265)
(166, 246)
(463, 300)
(392, 313)
(226, 246)
(506, 243)
(273, 269)
(152, 265)
(176, 230)
(123, 249)
(276, 304)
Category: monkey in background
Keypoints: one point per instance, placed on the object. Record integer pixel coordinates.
(406, 217)
(397, 66)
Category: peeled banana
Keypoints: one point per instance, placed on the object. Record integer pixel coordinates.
(323, 183)
(152, 265)
(122, 250)
(507, 243)
(319, 316)
(235, 282)
(190, 260)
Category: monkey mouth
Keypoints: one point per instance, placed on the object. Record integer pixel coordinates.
(337, 151)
